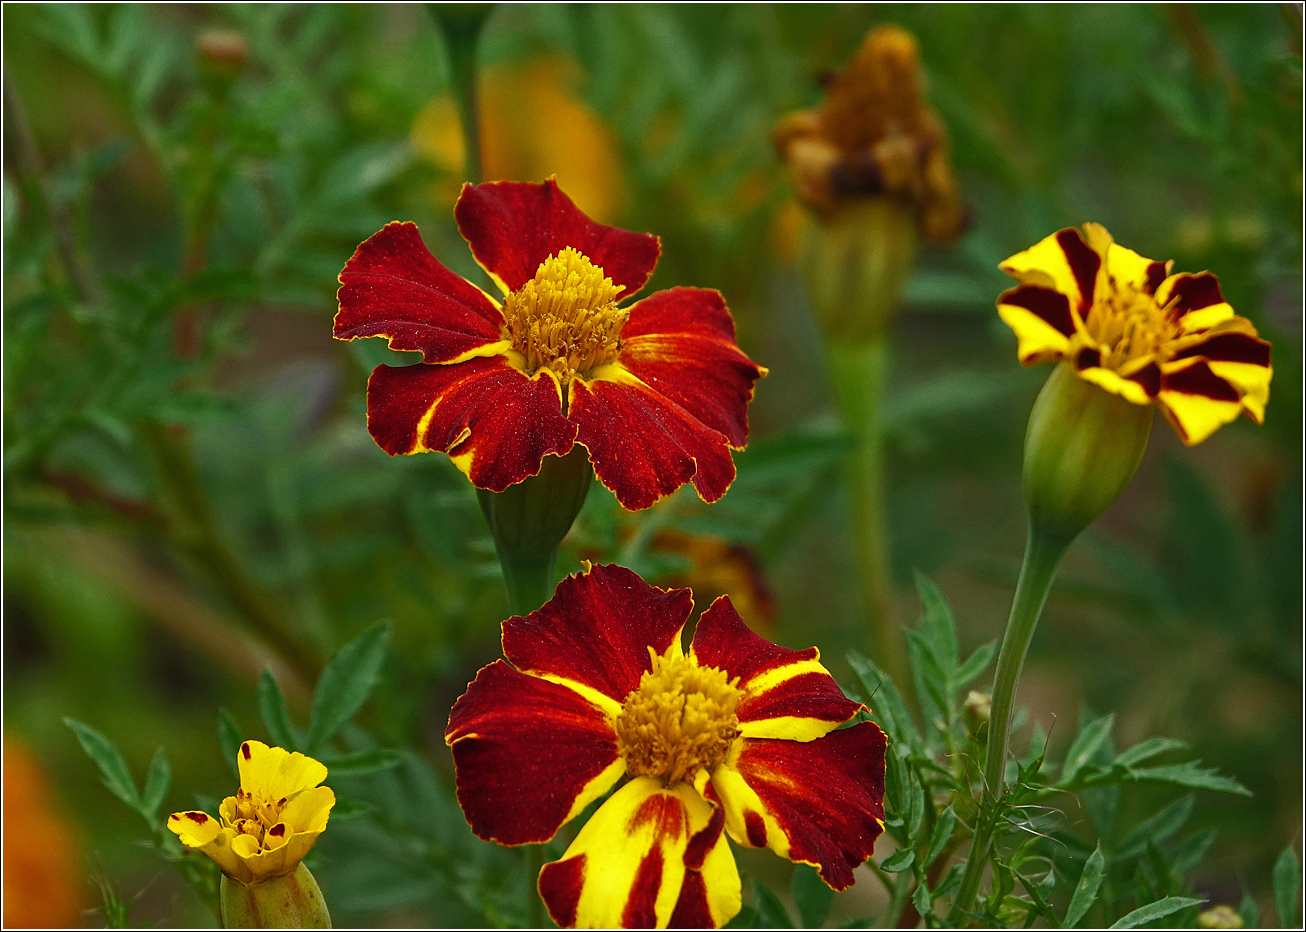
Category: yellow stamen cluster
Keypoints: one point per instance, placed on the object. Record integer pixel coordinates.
(566, 318)
(681, 717)
(1128, 324)
(256, 816)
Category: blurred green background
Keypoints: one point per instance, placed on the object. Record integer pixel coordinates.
(216, 165)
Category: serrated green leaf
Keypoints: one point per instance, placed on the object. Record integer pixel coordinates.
(229, 738)
(812, 895)
(1286, 878)
(931, 679)
(1091, 736)
(276, 717)
(940, 626)
(900, 860)
(940, 835)
(975, 664)
(113, 768)
(1090, 881)
(345, 684)
(885, 702)
(364, 762)
(1037, 899)
(157, 779)
(1147, 750)
(769, 912)
(1190, 775)
(1158, 910)
(1249, 912)
(1158, 827)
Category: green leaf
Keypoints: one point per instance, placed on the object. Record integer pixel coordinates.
(1286, 878)
(769, 913)
(931, 679)
(1086, 890)
(921, 899)
(229, 738)
(951, 880)
(112, 767)
(156, 785)
(898, 861)
(345, 684)
(1091, 735)
(1156, 828)
(939, 625)
(939, 836)
(1157, 910)
(364, 762)
(1249, 912)
(812, 894)
(884, 700)
(276, 717)
(975, 664)
(1191, 775)
(1147, 750)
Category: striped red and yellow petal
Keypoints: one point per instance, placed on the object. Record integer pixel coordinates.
(818, 802)
(595, 633)
(1194, 300)
(627, 865)
(1040, 317)
(275, 773)
(643, 445)
(681, 342)
(711, 894)
(1126, 267)
(496, 423)
(513, 226)
(201, 831)
(1138, 384)
(1234, 353)
(393, 287)
(1065, 263)
(1195, 400)
(528, 755)
(787, 693)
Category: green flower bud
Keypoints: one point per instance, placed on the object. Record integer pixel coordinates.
(1219, 917)
(291, 901)
(1082, 447)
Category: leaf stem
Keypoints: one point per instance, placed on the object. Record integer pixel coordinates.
(1043, 554)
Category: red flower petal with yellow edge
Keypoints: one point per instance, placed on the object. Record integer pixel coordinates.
(738, 738)
(656, 391)
(1125, 324)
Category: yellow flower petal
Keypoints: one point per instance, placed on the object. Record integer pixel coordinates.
(308, 811)
(209, 837)
(275, 773)
(747, 821)
(1112, 381)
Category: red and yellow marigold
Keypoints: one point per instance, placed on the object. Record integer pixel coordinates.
(1127, 325)
(739, 738)
(657, 391)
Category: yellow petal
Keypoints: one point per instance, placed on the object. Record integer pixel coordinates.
(1063, 262)
(275, 773)
(747, 820)
(308, 811)
(211, 839)
(1112, 382)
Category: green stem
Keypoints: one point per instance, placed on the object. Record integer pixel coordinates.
(859, 378)
(901, 889)
(462, 24)
(1043, 553)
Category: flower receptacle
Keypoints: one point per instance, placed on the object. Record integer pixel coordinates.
(291, 901)
(1082, 447)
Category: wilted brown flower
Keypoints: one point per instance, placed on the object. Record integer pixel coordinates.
(874, 136)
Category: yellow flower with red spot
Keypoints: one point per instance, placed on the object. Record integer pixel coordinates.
(657, 391)
(1127, 325)
(272, 822)
(739, 738)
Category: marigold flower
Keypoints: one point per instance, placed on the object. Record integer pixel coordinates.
(737, 738)
(1127, 325)
(657, 391)
(272, 822)
(875, 135)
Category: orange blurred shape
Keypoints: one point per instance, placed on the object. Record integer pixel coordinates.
(720, 568)
(42, 870)
(532, 126)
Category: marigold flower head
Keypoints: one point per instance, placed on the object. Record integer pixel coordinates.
(1127, 325)
(272, 822)
(738, 738)
(874, 135)
(657, 390)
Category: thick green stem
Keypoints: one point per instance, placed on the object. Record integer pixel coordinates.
(1043, 553)
(462, 24)
(859, 378)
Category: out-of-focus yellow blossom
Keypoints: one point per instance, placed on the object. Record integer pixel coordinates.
(532, 126)
(42, 877)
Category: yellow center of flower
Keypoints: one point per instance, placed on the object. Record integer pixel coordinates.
(256, 816)
(1128, 324)
(566, 318)
(681, 717)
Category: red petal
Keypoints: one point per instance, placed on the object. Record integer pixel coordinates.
(525, 752)
(644, 446)
(393, 287)
(513, 226)
(597, 629)
(495, 422)
(827, 795)
(683, 346)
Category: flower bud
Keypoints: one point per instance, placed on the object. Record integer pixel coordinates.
(1082, 447)
(291, 901)
(1219, 917)
(977, 710)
